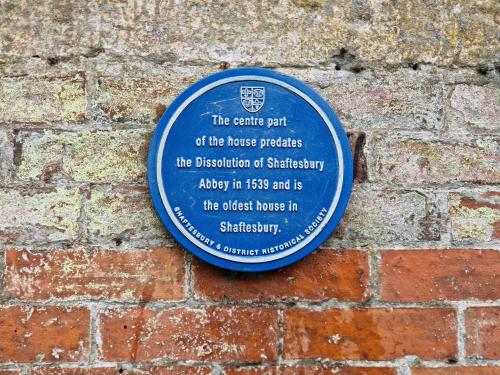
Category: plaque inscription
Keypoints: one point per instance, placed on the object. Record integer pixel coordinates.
(250, 170)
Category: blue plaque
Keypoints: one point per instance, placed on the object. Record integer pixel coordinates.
(250, 170)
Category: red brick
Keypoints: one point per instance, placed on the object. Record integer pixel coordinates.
(74, 371)
(10, 372)
(245, 334)
(479, 370)
(116, 275)
(173, 371)
(370, 334)
(261, 370)
(184, 370)
(43, 334)
(337, 370)
(320, 276)
(308, 370)
(483, 332)
(424, 275)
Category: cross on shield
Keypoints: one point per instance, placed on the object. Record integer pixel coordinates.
(252, 98)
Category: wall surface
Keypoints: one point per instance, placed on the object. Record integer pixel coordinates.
(91, 283)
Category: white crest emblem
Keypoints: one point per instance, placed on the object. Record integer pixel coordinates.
(252, 98)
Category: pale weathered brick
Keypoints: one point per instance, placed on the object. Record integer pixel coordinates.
(41, 217)
(6, 156)
(411, 30)
(413, 161)
(474, 108)
(42, 99)
(297, 32)
(475, 216)
(404, 100)
(398, 101)
(141, 99)
(384, 216)
(122, 213)
(102, 156)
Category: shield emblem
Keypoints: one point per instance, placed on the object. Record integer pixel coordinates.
(252, 98)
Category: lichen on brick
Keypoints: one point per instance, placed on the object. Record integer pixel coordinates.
(475, 217)
(104, 156)
(43, 99)
(128, 214)
(136, 100)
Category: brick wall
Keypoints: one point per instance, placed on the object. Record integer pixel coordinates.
(91, 283)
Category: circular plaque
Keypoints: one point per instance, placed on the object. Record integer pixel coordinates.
(250, 170)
